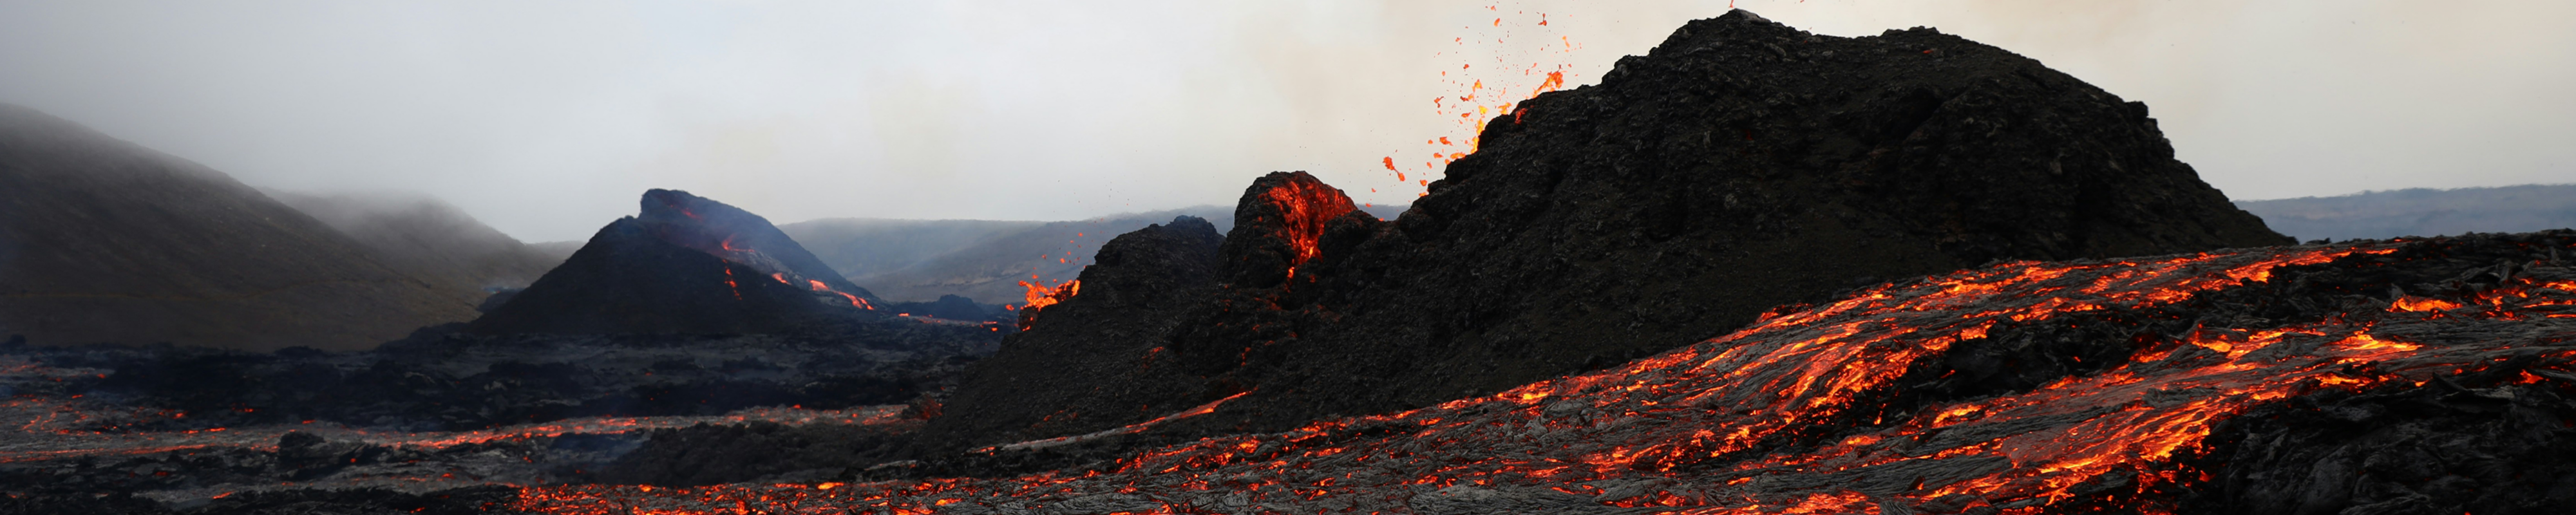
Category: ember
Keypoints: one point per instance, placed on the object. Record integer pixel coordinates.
(1469, 106)
(1304, 208)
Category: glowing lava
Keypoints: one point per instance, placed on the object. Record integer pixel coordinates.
(1304, 207)
(1774, 418)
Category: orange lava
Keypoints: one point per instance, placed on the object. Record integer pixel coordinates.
(1041, 295)
(1305, 206)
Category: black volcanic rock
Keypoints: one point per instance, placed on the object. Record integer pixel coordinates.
(1740, 166)
(104, 241)
(686, 265)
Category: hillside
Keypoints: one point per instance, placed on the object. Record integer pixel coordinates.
(104, 241)
(429, 238)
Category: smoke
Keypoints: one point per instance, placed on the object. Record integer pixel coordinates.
(545, 120)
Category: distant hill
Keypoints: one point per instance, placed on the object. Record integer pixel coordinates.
(105, 241)
(2420, 212)
(431, 238)
(984, 260)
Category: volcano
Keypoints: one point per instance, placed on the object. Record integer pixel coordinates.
(105, 241)
(1739, 167)
(685, 264)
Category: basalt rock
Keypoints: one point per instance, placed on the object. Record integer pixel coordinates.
(1740, 166)
(687, 265)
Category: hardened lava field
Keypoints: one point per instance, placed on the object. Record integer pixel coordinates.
(1837, 408)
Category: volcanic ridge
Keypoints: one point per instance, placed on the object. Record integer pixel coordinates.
(1739, 167)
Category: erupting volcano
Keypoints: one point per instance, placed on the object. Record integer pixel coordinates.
(1756, 271)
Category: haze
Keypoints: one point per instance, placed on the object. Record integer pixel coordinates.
(546, 120)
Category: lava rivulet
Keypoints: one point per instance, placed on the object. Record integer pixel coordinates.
(1304, 207)
(1788, 416)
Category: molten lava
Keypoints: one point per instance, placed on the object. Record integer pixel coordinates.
(1041, 295)
(1304, 207)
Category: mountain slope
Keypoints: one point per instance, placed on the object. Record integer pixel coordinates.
(104, 241)
(429, 238)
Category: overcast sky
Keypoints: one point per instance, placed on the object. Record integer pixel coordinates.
(547, 119)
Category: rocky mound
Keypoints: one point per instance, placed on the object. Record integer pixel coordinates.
(1740, 166)
(104, 241)
(686, 264)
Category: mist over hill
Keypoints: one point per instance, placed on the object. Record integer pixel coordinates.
(2420, 212)
(430, 237)
(105, 241)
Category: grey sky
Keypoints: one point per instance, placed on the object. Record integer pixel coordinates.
(546, 119)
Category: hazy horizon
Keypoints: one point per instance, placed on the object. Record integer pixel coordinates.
(546, 120)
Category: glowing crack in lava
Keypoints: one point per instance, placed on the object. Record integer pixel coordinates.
(1786, 416)
(1304, 207)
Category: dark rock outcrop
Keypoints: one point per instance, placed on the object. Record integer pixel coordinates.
(104, 241)
(1740, 166)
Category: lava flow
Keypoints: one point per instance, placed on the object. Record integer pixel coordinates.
(1801, 413)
